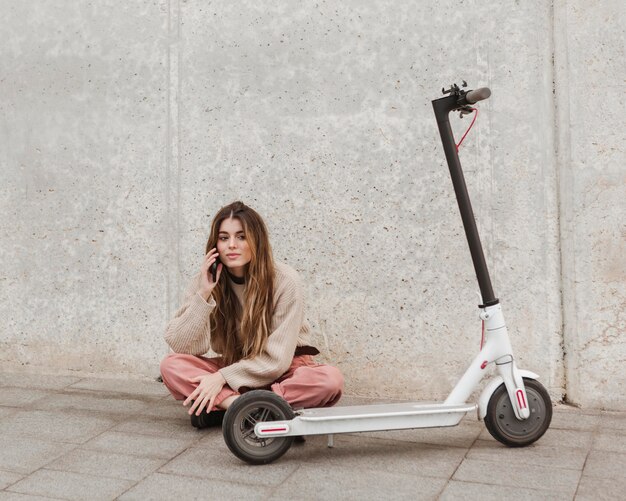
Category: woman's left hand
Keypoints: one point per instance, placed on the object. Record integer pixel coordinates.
(207, 390)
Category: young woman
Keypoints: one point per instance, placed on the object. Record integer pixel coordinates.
(252, 315)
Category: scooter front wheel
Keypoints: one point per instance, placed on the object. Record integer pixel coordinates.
(506, 428)
(241, 417)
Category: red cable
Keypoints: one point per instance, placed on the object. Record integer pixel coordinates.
(468, 129)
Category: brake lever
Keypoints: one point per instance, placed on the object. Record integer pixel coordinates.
(465, 110)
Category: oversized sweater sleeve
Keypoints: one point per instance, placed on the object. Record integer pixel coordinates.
(190, 330)
(280, 345)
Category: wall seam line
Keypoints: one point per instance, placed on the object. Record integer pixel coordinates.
(172, 182)
(178, 158)
(562, 154)
(167, 165)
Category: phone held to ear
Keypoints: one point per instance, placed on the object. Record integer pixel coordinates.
(213, 269)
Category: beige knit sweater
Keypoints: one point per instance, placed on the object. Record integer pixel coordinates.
(190, 329)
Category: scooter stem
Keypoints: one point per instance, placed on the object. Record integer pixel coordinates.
(442, 107)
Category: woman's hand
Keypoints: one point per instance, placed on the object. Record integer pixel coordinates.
(207, 390)
(206, 279)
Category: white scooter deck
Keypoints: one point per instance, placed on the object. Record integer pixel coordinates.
(360, 418)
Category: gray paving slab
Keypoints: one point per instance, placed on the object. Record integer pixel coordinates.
(566, 438)
(37, 381)
(160, 486)
(470, 491)
(73, 486)
(7, 411)
(212, 438)
(146, 425)
(131, 387)
(535, 454)
(25, 455)
(600, 489)
(106, 403)
(613, 421)
(7, 478)
(137, 445)
(557, 438)
(106, 464)
(463, 435)
(612, 442)
(314, 482)
(221, 465)
(15, 496)
(352, 452)
(60, 426)
(519, 475)
(603, 464)
(20, 397)
(574, 420)
(166, 408)
(75, 430)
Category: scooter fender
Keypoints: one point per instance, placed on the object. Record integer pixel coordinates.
(483, 401)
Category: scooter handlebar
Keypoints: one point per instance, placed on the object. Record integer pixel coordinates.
(473, 96)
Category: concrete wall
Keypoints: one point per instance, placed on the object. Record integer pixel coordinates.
(591, 100)
(126, 125)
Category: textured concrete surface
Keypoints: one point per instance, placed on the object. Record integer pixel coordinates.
(76, 452)
(593, 211)
(125, 126)
(84, 146)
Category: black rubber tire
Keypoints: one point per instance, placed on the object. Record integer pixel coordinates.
(239, 421)
(506, 428)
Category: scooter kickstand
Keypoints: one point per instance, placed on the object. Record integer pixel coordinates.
(331, 441)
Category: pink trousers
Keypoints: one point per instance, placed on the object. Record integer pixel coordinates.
(305, 384)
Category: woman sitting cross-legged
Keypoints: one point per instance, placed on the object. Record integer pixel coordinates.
(252, 315)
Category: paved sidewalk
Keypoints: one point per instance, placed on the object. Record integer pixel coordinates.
(88, 438)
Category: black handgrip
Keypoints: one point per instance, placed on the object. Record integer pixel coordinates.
(473, 96)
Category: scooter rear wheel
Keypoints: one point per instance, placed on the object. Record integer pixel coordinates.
(506, 428)
(238, 426)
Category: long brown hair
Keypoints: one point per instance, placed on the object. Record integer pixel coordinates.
(258, 309)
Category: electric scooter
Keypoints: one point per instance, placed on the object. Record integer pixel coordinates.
(259, 426)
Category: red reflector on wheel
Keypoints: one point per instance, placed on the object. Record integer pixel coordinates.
(520, 399)
(272, 430)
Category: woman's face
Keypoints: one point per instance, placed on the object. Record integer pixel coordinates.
(233, 247)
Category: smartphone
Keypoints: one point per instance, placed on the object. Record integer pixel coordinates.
(213, 269)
